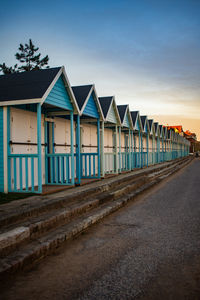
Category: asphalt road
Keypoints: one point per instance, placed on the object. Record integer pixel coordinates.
(150, 249)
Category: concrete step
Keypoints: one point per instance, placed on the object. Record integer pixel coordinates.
(33, 206)
(30, 241)
(13, 235)
(39, 248)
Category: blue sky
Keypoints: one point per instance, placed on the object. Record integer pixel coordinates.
(146, 53)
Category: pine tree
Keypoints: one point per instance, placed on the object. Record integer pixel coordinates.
(28, 59)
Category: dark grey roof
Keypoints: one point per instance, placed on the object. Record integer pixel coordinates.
(26, 85)
(143, 118)
(134, 116)
(105, 103)
(150, 124)
(156, 126)
(122, 110)
(81, 93)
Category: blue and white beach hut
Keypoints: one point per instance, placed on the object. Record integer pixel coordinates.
(157, 135)
(88, 132)
(32, 106)
(125, 138)
(151, 142)
(109, 135)
(137, 136)
(145, 141)
(162, 137)
(165, 143)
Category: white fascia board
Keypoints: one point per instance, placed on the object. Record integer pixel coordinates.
(156, 131)
(139, 119)
(116, 111)
(147, 122)
(113, 103)
(109, 110)
(20, 102)
(74, 103)
(124, 115)
(135, 122)
(97, 102)
(86, 100)
(153, 132)
(129, 116)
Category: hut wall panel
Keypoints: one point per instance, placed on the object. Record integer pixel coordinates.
(89, 140)
(108, 140)
(144, 139)
(150, 144)
(62, 135)
(137, 143)
(123, 141)
(23, 129)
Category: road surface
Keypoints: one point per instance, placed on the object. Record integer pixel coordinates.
(149, 249)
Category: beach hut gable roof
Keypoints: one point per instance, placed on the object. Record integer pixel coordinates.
(88, 101)
(110, 110)
(137, 124)
(151, 127)
(35, 86)
(145, 124)
(125, 116)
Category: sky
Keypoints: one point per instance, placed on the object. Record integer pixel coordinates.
(145, 52)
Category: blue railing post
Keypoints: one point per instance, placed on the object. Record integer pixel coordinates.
(78, 154)
(119, 149)
(102, 151)
(129, 149)
(39, 149)
(8, 149)
(72, 145)
(132, 157)
(141, 150)
(147, 149)
(98, 148)
(46, 151)
(135, 155)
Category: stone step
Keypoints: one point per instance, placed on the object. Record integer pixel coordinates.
(39, 248)
(36, 205)
(30, 243)
(13, 235)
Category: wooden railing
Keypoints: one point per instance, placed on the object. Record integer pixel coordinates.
(22, 173)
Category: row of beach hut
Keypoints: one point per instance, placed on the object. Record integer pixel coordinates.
(55, 134)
